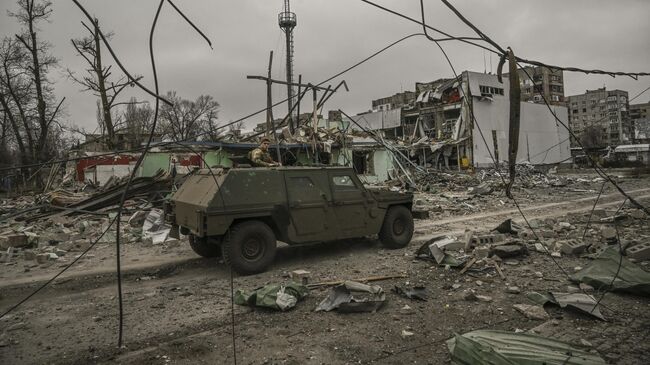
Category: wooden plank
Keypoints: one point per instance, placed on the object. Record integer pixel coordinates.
(468, 265)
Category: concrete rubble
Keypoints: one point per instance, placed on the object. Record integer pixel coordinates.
(485, 271)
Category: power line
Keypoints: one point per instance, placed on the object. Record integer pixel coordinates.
(639, 94)
(473, 117)
(633, 75)
(163, 144)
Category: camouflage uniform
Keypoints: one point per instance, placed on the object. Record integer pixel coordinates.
(260, 158)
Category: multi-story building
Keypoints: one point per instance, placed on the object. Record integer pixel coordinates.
(465, 121)
(603, 111)
(539, 83)
(394, 102)
(640, 119)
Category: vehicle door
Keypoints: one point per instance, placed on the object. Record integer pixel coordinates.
(350, 204)
(309, 200)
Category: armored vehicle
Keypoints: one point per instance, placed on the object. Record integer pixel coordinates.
(240, 213)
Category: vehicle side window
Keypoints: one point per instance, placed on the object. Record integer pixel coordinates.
(343, 182)
(303, 188)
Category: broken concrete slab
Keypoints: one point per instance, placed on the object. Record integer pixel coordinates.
(301, 276)
(13, 240)
(481, 189)
(573, 247)
(513, 290)
(540, 248)
(508, 226)
(488, 239)
(532, 311)
(505, 251)
(481, 252)
(640, 251)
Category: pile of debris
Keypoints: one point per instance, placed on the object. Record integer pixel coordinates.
(482, 251)
(63, 223)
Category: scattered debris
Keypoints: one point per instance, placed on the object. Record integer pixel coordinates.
(155, 228)
(501, 347)
(532, 311)
(274, 296)
(351, 297)
(508, 227)
(430, 250)
(418, 292)
(300, 275)
(604, 273)
(580, 301)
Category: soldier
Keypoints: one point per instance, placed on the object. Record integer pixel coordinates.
(260, 156)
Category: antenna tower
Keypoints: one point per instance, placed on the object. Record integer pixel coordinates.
(287, 21)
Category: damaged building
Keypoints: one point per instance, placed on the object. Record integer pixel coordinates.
(457, 123)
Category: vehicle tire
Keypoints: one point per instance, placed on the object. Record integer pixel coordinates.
(204, 246)
(397, 229)
(249, 247)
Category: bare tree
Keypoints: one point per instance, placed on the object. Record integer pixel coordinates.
(236, 126)
(30, 13)
(137, 118)
(97, 80)
(188, 120)
(15, 98)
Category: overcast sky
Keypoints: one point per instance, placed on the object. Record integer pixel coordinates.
(334, 34)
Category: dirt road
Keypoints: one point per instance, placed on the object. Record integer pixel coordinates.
(178, 306)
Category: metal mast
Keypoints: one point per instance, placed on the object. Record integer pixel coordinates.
(287, 21)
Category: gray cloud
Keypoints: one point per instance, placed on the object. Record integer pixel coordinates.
(333, 34)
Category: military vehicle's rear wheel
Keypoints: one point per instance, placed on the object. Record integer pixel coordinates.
(249, 247)
(205, 246)
(397, 230)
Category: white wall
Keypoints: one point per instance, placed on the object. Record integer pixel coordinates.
(104, 172)
(541, 138)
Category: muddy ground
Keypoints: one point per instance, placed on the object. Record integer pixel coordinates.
(178, 310)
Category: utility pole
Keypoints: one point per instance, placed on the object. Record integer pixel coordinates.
(270, 125)
(269, 99)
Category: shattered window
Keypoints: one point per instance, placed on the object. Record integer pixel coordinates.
(343, 182)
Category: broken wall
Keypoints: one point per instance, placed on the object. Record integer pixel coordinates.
(380, 163)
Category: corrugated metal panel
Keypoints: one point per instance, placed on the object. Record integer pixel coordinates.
(392, 118)
(372, 121)
(633, 148)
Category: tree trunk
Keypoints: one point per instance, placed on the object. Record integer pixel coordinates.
(41, 148)
(106, 108)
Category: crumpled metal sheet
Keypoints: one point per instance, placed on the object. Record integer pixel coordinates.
(600, 274)
(351, 297)
(580, 301)
(491, 347)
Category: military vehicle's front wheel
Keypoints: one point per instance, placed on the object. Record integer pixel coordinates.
(397, 230)
(204, 246)
(249, 247)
